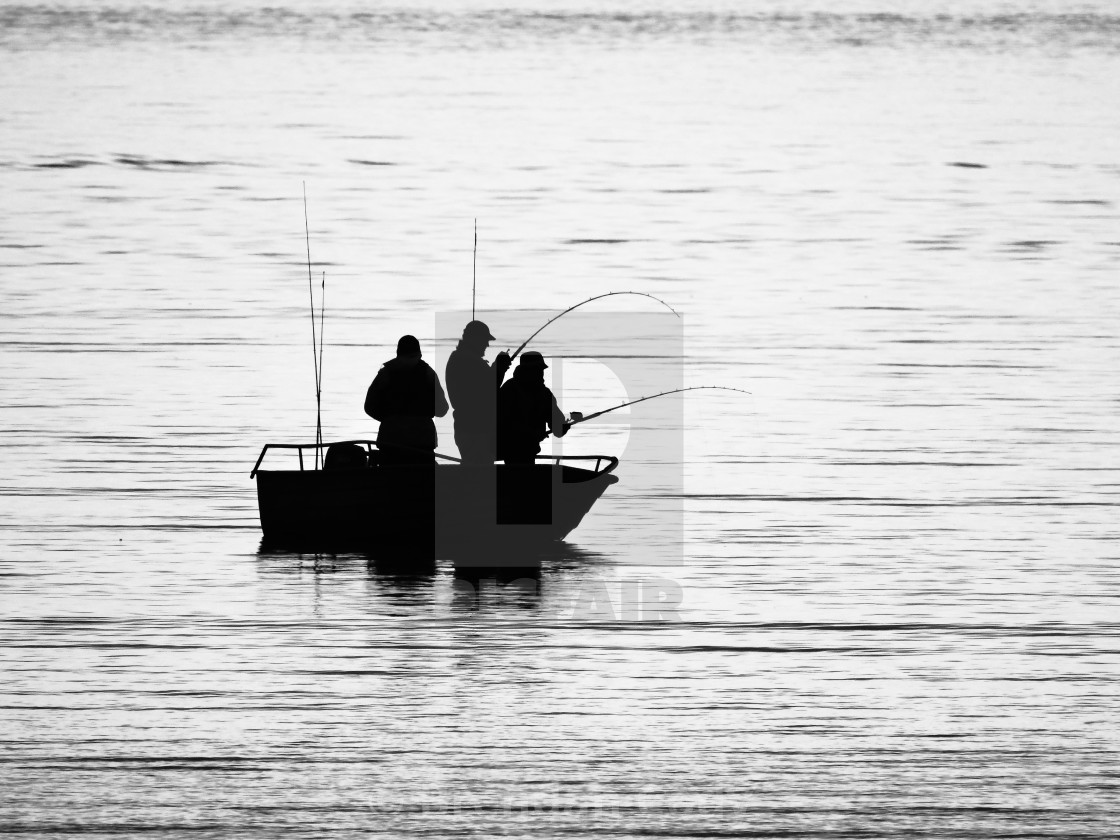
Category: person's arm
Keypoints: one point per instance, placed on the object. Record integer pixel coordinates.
(451, 376)
(440, 407)
(556, 423)
(373, 397)
(502, 363)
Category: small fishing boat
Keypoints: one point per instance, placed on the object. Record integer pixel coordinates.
(355, 503)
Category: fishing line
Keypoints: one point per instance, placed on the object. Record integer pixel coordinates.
(581, 418)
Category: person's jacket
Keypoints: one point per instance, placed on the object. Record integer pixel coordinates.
(527, 411)
(405, 387)
(472, 385)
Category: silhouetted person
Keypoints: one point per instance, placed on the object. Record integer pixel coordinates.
(527, 412)
(404, 397)
(473, 387)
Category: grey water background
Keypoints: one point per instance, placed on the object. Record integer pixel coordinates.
(895, 224)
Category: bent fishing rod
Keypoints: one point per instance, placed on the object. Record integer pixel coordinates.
(581, 303)
(583, 418)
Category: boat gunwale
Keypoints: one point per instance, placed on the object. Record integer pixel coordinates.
(556, 460)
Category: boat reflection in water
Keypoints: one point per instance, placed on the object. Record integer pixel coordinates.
(551, 582)
(481, 517)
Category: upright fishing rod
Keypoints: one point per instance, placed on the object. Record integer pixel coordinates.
(322, 332)
(581, 303)
(315, 352)
(583, 418)
(474, 267)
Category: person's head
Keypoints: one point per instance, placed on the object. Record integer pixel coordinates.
(408, 347)
(531, 366)
(477, 334)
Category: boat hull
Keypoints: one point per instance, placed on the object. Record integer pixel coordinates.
(472, 513)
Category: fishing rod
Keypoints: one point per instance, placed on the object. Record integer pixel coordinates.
(322, 332)
(315, 352)
(582, 418)
(474, 267)
(581, 303)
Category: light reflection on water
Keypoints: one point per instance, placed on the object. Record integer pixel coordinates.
(897, 600)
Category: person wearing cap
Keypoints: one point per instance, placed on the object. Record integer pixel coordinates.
(527, 412)
(473, 387)
(404, 397)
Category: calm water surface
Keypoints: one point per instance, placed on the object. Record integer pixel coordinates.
(890, 571)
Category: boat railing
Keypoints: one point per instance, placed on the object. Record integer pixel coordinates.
(370, 445)
(556, 460)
